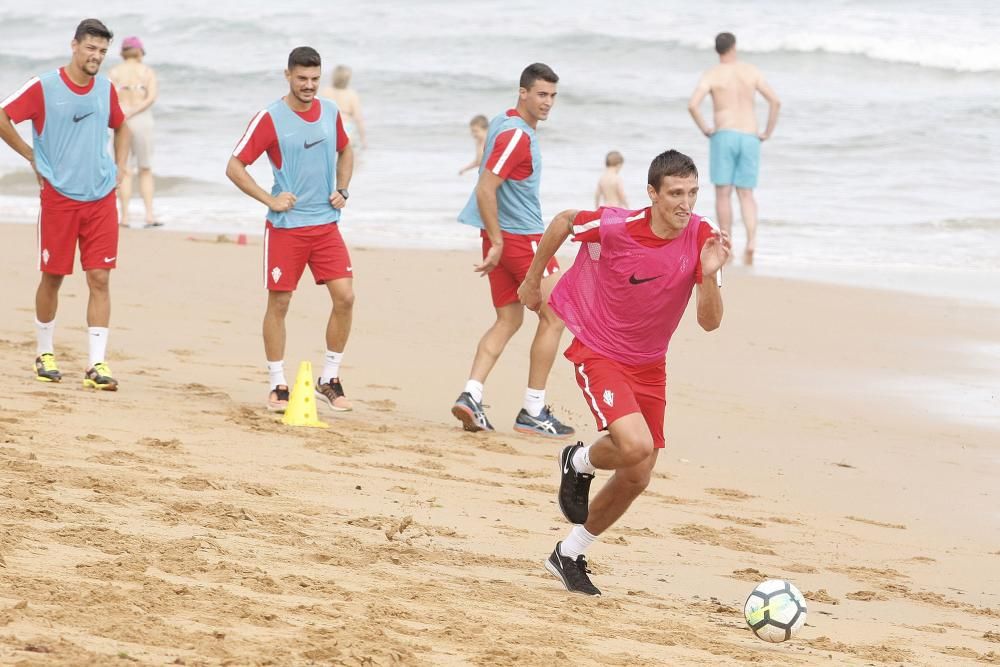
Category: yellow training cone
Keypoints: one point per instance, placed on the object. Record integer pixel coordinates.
(301, 410)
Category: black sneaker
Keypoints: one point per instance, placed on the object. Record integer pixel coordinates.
(572, 573)
(545, 424)
(574, 487)
(470, 413)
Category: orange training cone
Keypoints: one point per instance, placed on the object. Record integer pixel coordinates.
(301, 410)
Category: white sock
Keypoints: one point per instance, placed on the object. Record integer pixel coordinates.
(331, 366)
(534, 401)
(44, 333)
(581, 461)
(576, 542)
(98, 337)
(476, 389)
(276, 371)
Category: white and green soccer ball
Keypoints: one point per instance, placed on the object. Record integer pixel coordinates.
(775, 610)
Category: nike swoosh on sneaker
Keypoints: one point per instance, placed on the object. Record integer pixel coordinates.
(77, 119)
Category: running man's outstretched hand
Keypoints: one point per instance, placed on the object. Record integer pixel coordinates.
(715, 253)
(283, 202)
(530, 294)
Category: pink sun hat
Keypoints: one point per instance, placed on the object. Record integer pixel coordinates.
(133, 43)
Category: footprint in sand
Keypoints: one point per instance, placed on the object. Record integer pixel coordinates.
(729, 494)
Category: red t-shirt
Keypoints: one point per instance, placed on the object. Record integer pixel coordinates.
(586, 229)
(28, 102)
(511, 154)
(261, 136)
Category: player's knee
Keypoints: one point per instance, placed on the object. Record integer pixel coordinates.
(344, 300)
(636, 449)
(98, 281)
(279, 302)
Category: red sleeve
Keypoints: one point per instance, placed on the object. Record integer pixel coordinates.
(705, 232)
(587, 226)
(342, 139)
(117, 116)
(510, 150)
(259, 137)
(27, 102)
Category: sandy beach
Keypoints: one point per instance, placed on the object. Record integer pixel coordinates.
(824, 434)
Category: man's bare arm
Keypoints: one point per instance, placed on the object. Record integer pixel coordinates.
(560, 229)
(238, 174)
(694, 105)
(773, 106)
(122, 141)
(10, 136)
(486, 200)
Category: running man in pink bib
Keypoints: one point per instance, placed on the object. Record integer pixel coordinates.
(622, 299)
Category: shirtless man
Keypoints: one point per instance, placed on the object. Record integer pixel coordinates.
(349, 104)
(734, 140)
(610, 186)
(137, 90)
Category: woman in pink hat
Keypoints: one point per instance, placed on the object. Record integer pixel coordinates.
(137, 89)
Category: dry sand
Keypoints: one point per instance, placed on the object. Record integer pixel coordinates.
(176, 522)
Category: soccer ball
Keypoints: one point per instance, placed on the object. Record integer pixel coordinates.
(775, 610)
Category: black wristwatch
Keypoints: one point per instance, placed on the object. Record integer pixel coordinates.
(343, 192)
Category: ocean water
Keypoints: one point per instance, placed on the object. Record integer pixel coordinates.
(883, 170)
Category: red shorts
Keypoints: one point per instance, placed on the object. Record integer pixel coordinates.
(613, 389)
(287, 251)
(518, 253)
(63, 222)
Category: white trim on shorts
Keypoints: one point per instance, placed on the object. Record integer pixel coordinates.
(593, 401)
(267, 237)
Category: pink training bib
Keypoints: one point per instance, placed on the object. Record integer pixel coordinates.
(624, 300)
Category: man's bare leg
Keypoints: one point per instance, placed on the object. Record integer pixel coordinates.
(99, 303)
(47, 297)
(274, 324)
(338, 328)
(748, 210)
(493, 342)
(545, 345)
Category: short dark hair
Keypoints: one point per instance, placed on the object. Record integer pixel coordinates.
(724, 42)
(536, 71)
(94, 28)
(670, 163)
(304, 56)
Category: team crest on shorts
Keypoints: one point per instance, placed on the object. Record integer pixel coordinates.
(45, 256)
(276, 274)
(609, 398)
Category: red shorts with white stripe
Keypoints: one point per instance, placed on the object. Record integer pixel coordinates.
(518, 253)
(63, 222)
(288, 251)
(613, 389)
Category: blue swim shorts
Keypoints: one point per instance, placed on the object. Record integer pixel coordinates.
(734, 158)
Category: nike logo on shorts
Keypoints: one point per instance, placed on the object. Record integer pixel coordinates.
(108, 260)
(307, 145)
(77, 119)
(639, 281)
